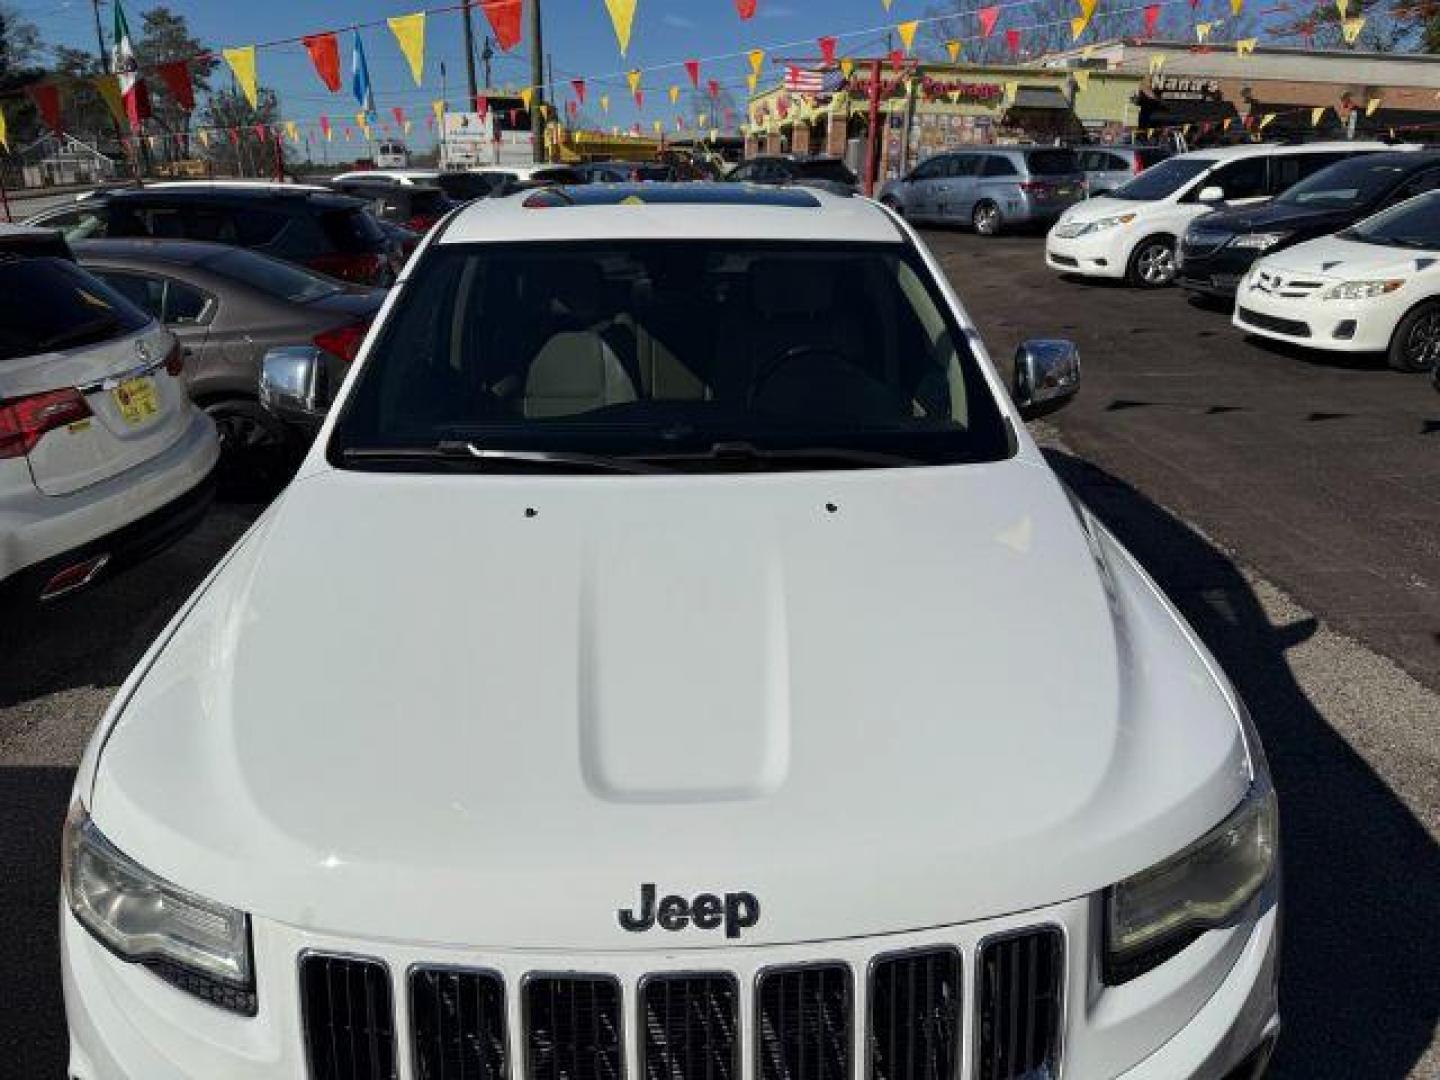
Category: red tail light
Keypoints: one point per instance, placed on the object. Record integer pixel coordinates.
(175, 360)
(1036, 187)
(24, 420)
(422, 223)
(343, 341)
(1136, 166)
(361, 268)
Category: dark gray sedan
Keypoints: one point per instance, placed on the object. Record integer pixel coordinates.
(228, 306)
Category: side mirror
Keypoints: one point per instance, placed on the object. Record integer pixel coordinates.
(294, 384)
(1047, 376)
(1211, 193)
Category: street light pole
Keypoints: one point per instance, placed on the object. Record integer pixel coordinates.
(537, 81)
(470, 56)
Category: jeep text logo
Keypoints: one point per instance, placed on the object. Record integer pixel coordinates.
(736, 911)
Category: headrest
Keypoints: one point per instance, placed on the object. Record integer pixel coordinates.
(575, 286)
(782, 287)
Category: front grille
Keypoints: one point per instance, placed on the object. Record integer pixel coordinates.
(458, 1024)
(572, 1028)
(1020, 1006)
(915, 1016)
(1292, 327)
(690, 1027)
(803, 1023)
(349, 1018)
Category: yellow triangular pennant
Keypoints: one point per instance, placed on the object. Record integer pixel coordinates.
(622, 17)
(1237, 6)
(1246, 46)
(409, 31)
(633, 78)
(527, 95)
(953, 48)
(847, 67)
(674, 95)
(757, 59)
(293, 130)
(1350, 29)
(242, 63)
(1077, 26)
(605, 103)
(1372, 105)
(906, 31)
(1202, 30)
(108, 87)
(1265, 121)
(752, 79)
(438, 108)
(1316, 113)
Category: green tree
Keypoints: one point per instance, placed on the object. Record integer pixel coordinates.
(227, 110)
(19, 66)
(165, 36)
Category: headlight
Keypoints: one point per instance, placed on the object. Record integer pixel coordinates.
(1104, 223)
(1363, 290)
(193, 943)
(1153, 915)
(1258, 240)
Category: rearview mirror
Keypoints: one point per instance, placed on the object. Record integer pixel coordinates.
(294, 384)
(1211, 193)
(1047, 376)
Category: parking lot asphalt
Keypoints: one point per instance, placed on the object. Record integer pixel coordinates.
(1287, 505)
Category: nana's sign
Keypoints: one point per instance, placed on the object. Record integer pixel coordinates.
(1185, 88)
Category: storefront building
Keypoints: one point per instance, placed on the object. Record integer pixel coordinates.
(1212, 92)
(924, 109)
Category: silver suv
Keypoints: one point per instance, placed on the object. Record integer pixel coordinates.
(990, 188)
(1107, 167)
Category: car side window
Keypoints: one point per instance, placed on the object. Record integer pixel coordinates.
(185, 305)
(143, 290)
(78, 224)
(1116, 163)
(1287, 170)
(995, 165)
(1418, 184)
(1244, 179)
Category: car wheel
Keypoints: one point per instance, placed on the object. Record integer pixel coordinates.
(1152, 265)
(987, 218)
(1415, 345)
(256, 452)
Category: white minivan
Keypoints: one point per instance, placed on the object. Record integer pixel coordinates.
(1132, 231)
(674, 659)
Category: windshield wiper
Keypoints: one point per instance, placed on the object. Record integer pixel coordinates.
(752, 454)
(456, 452)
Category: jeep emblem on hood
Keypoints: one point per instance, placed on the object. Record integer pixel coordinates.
(735, 911)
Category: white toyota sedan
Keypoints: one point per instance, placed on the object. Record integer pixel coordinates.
(1374, 287)
(674, 659)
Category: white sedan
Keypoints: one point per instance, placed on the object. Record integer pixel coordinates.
(1374, 287)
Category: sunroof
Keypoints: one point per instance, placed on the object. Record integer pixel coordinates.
(697, 194)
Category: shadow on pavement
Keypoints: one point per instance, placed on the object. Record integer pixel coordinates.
(1360, 980)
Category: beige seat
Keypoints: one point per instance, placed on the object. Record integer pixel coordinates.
(575, 372)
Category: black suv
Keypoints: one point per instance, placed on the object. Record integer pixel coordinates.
(320, 229)
(1217, 250)
(418, 207)
(826, 173)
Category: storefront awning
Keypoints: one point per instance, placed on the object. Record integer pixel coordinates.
(1040, 97)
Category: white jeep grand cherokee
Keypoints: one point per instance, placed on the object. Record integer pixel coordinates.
(674, 661)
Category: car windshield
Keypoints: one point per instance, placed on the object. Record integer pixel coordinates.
(1413, 224)
(49, 304)
(1346, 185)
(1162, 180)
(835, 171)
(271, 276)
(801, 355)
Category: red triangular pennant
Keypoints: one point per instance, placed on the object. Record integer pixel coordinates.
(1152, 17)
(828, 45)
(47, 99)
(578, 85)
(176, 77)
(989, 16)
(324, 53)
(504, 16)
(1012, 41)
(482, 106)
(692, 68)
(746, 8)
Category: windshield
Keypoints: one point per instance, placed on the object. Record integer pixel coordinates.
(1413, 224)
(1052, 162)
(1162, 180)
(668, 350)
(835, 171)
(271, 276)
(1346, 185)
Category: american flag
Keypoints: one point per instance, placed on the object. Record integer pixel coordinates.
(810, 81)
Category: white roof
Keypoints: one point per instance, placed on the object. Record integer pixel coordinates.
(242, 185)
(403, 176)
(1246, 150)
(750, 214)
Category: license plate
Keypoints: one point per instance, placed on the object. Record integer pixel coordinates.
(137, 400)
(1063, 191)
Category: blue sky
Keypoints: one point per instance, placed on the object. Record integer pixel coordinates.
(578, 36)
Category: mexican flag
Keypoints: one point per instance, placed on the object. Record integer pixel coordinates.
(127, 70)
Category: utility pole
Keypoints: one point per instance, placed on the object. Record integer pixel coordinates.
(470, 57)
(537, 81)
(487, 53)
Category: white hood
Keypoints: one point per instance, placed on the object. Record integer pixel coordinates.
(1101, 206)
(1332, 259)
(408, 710)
